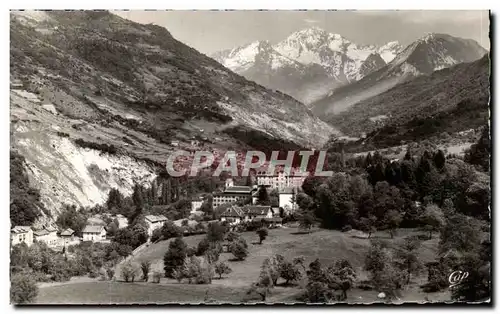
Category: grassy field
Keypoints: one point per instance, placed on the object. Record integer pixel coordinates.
(327, 245)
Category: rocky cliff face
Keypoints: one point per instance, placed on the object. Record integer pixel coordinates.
(124, 93)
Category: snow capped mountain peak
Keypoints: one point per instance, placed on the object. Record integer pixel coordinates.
(389, 51)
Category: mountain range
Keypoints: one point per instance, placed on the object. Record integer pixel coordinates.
(308, 63)
(449, 100)
(428, 54)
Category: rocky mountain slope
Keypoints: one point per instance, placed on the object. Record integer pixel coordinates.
(429, 53)
(98, 101)
(449, 100)
(308, 63)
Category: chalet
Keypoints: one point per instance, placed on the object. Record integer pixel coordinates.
(94, 233)
(20, 234)
(232, 193)
(154, 222)
(233, 215)
(69, 238)
(47, 235)
(237, 214)
(257, 211)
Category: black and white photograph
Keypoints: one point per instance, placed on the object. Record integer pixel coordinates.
(238, 157)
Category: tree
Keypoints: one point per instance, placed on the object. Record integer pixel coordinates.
(439, 159)
(114, 202)
(215, 232)
(112, 228)
(304, 201)
(137, 197)
(433, 218)
(174, 257)
(383, 273)
(23, 288)
(129, 271)
(300, 260)
(289, 272)
(239, 249)
(368, 225)
(263, 233)
(170, 230)
(306, 220)
(344, 275)
(145, 267)
(263, 197)
(480, 153)
(392, 220)
(70, 217)
(222, 268)
(460, 233)
(407, 258)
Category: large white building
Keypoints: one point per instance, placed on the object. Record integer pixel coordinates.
(279, 180)
(232, 193)
(154, 222)
(20, 234)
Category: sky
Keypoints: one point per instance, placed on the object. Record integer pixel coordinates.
(211, 31)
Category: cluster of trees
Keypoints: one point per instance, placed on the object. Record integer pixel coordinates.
(380, 194)
(25, 204)
(39, 263)
(329, 284)
(199, 264)
(71, 217)
(272, 269)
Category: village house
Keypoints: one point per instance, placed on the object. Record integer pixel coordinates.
(68, 237)
(257, 211)
(47, 235)
(154, 222)
(232, 193)
(237, 214)
(233, 215)
(20, 234)
(94, 233)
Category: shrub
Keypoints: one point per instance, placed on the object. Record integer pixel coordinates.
(110, 272)
(239, 249)
(263, 233)
(346, 228)
(23, 289)
(145, 267)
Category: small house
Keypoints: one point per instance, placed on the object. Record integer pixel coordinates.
(94, 233)
(47, 235)
(68, 237)
(154, 222)
(257, 211)
(20, 234)
(233, 215)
